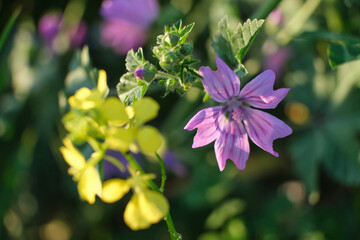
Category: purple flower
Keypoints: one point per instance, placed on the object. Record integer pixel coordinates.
(174, 164)
(139, 72)
(230, 125)
(276, 17)
(126, 23)
(51, 25)
(77, 35)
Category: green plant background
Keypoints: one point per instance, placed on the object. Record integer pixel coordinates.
(310, 192)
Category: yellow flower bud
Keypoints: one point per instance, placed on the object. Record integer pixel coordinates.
(114, 189)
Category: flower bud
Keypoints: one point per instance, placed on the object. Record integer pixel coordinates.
(139, 73)
(168, 61)
(171, 39)
(186, 48)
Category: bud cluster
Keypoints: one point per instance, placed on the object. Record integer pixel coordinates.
(174, 52)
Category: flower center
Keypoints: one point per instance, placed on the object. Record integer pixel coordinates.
(233, 110)
(237, 115)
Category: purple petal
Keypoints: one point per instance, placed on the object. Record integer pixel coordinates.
(264, 128)
(49, 27)
(77, 34)
(112, 171)
(259, 91)
(221, 84)
(232, 144)
(205, 122)
(141, 13)
(121, 36)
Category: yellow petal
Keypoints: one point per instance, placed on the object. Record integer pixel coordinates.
(119, 138)
(102, 83)
(85, 99)
(149, 139)
(133, 216)
(130, 111)
(114, 189)
(114, 111)
(154, 206)
(71, 155)
(145, 110)
(89, 184)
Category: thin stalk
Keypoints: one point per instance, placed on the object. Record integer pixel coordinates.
(163, 172)
(166, 75)
(137, 167)
(9, 25)
(174, 235)
(115, 162)
(297, 22)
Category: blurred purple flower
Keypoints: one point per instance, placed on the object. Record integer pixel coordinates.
(231, 124)
(173, 163)
(126, 23)
(50, 26)
(276, 61)
(112, 171)
(276, 17)
(77, 35)
(275, 57)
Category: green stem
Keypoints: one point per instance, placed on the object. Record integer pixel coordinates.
(95, 159)
(95, 145)
(174, 235)
(137, 167)
(265, 9)
(163, 74)
(9, 25)
(163, 172)
(115, 162)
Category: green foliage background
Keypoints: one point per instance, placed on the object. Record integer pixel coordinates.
(310, 192)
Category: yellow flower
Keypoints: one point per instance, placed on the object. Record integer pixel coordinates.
(86, 99)
(113, 111)
(89, 183)
(146, 206)
(134, 135)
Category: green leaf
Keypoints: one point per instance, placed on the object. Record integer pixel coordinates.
(308, 150)
(342, 157)
(130, 89)
(329, 36)
(340, 53)
(9, 25)
(134, 60)
(244, 36)
(342, 161)
(184, 33)
(222, 44)
(235, 44)
(231, 46)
